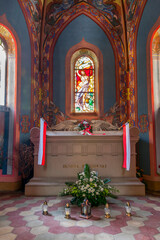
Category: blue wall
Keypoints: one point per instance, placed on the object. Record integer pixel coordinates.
(149, 17)
(16, 19)
(83, 27)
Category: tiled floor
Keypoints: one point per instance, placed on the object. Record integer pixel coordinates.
(21, 219)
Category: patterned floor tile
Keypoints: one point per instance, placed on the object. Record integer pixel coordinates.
(46, 236)
(30, 218)
(124, 236)
(21, 219)
(39, 230)
(4, 223)
(104, 236)
(157, 236)
(5, 230)
(130, 230)
(85, 236)
(34, 223)
(9, 236)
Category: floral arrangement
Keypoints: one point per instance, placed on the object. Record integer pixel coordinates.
(85, 127)
(89, 186)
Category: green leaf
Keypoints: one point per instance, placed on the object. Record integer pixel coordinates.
(87, 171)
(106, 180)
(69, 183)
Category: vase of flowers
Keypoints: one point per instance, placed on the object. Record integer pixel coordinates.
(89, 186)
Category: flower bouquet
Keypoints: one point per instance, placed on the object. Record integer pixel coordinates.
(85, 127)
(89, 186)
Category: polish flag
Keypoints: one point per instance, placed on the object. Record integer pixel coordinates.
(42, 142)
(126, 146)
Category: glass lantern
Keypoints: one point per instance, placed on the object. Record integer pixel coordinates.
(67, 211)
(128, 209)
(107, 211)
(86, 209)
(45, 208)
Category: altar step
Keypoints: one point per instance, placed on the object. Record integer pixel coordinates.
(53, 186)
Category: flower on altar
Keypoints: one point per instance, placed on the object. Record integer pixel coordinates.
(89, 186)
(85, 126)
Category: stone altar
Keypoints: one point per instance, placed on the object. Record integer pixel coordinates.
(67, 152)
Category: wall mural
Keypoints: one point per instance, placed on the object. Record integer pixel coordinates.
(143, 123)
(48, 18)
(25, 124)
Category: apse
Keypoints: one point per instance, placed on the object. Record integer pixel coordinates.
(80, 28)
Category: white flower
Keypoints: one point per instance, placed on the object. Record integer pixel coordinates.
(91, 179)
(101, 189)
(84, 195)
(95, 185)
(87, 186)
(97, 193)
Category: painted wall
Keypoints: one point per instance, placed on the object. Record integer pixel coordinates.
(15, 17)
(149, 17)
(83, 27)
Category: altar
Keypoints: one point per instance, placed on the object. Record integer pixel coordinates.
(68, 151)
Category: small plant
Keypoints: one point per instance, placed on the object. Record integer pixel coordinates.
(89, 186)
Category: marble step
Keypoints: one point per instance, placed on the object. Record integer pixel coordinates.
(53, 186)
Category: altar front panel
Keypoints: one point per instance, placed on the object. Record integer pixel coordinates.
(68, 152)
(66, 155)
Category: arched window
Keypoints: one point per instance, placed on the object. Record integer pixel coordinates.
(84, 82)
(9, 96)
(155, 46)
(84, 85)
(3, 58)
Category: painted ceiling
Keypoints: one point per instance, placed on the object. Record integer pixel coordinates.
(109, 8)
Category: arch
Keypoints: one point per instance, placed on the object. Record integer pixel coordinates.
(98, 60)
(14, 62)
(150, 96)
(106, 31)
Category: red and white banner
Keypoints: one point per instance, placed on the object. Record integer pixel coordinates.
(126, 146)
(42, 142)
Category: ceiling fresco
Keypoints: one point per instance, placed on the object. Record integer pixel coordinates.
(52, 10)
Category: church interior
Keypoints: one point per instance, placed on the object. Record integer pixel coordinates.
(80, 65)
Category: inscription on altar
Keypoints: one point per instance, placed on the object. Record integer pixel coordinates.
(92, 166)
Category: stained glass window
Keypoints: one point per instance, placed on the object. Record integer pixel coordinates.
(2, 73)
(84, 85)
